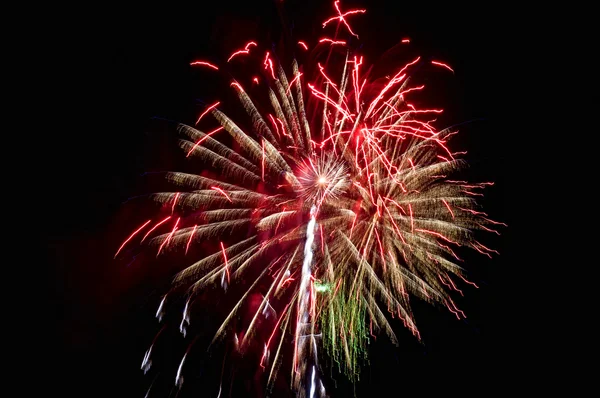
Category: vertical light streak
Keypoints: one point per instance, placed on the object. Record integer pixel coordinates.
(305, 326)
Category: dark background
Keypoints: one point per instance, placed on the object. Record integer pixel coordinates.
(115, 69)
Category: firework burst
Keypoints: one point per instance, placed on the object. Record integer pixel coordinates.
(338, 200)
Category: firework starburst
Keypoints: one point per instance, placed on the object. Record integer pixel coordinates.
(338, 199)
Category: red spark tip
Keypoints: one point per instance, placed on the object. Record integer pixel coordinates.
(207, 110)
(246, 50)
(333, 42)
(204, 63)
(341, 17)
(442, 65)
(236, 85)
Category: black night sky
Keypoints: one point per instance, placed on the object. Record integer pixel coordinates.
(117, 69)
